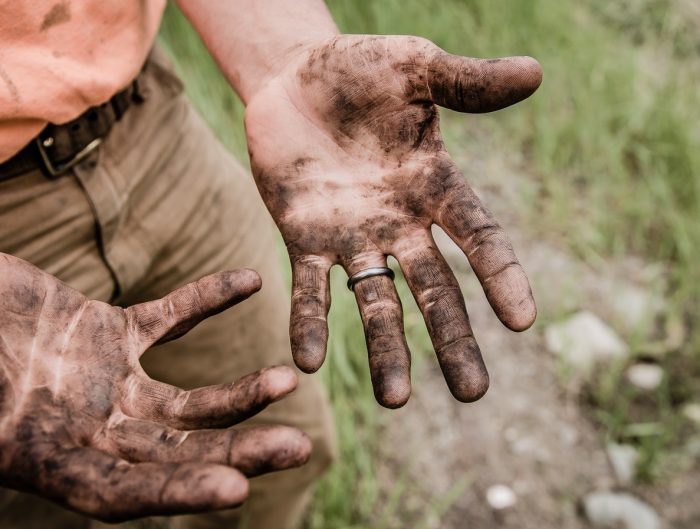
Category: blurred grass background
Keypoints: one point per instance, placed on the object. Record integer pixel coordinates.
(612, 140)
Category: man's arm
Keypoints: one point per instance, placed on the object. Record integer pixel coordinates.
(345, 147)
(250, 39)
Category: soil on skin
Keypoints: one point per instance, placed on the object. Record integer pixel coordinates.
(529, 432)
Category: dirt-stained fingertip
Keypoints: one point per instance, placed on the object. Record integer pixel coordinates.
(511, 298)
(303, 450)
(532, 79)
(278, 381)
(261, 449)
(246, 278)
(523, 316)
(309, 339)
(511, 80)
(464, 370)
(470, 387)
(394, 399)
(308, 363)
(218, 487)
(391, 390)
(184, 488)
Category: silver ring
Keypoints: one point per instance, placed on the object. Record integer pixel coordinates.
(369, 272)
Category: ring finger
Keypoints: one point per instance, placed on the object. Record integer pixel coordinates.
(382, 318)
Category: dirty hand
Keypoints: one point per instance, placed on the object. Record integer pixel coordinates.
(83, 425)
(347, 153)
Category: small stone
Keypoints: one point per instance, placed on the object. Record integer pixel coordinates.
(619, 509)
(500, 497)
(583, 340)
(691, 411)
(647, 377)
(623, 459)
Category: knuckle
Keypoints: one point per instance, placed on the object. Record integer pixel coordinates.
(384, 324)
(501, 269)
(382, 307)
(485, 232)
(488, 235)
(196, 298)
(178, 405)
(434, 294)
(308, 302)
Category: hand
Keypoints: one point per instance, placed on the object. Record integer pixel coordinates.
(81, 423)
(347, 154)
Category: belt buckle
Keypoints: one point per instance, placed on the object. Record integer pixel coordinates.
(56, 170)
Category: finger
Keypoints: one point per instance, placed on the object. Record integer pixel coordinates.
(490, 252)
(382, 318)
(108, 488)
(311, 299)
(440, 300)
(208, 407)
(172, 316)
(480, 85)
(253, 451)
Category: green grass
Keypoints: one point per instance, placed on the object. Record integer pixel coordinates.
(612, 140)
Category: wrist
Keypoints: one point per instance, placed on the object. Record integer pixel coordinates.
(275, 63)
(251, 40)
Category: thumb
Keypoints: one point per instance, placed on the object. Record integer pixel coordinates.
(480, 85)
(177, 313)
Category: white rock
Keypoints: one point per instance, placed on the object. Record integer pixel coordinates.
(583, 339)
(501, 497)
(645, 376)
(619, 509)
(623, 459)
(692, 412)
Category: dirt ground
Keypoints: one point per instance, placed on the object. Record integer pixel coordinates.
(529, 432)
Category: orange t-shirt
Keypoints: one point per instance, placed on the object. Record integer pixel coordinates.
(60, 57)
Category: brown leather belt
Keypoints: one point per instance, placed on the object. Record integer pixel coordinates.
(59, 147)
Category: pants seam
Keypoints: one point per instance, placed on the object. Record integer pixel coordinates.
(99, 243)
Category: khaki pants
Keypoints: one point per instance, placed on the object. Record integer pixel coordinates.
(162, 203)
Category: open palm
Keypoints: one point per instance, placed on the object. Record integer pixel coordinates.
(82, 424)
(346, 150)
